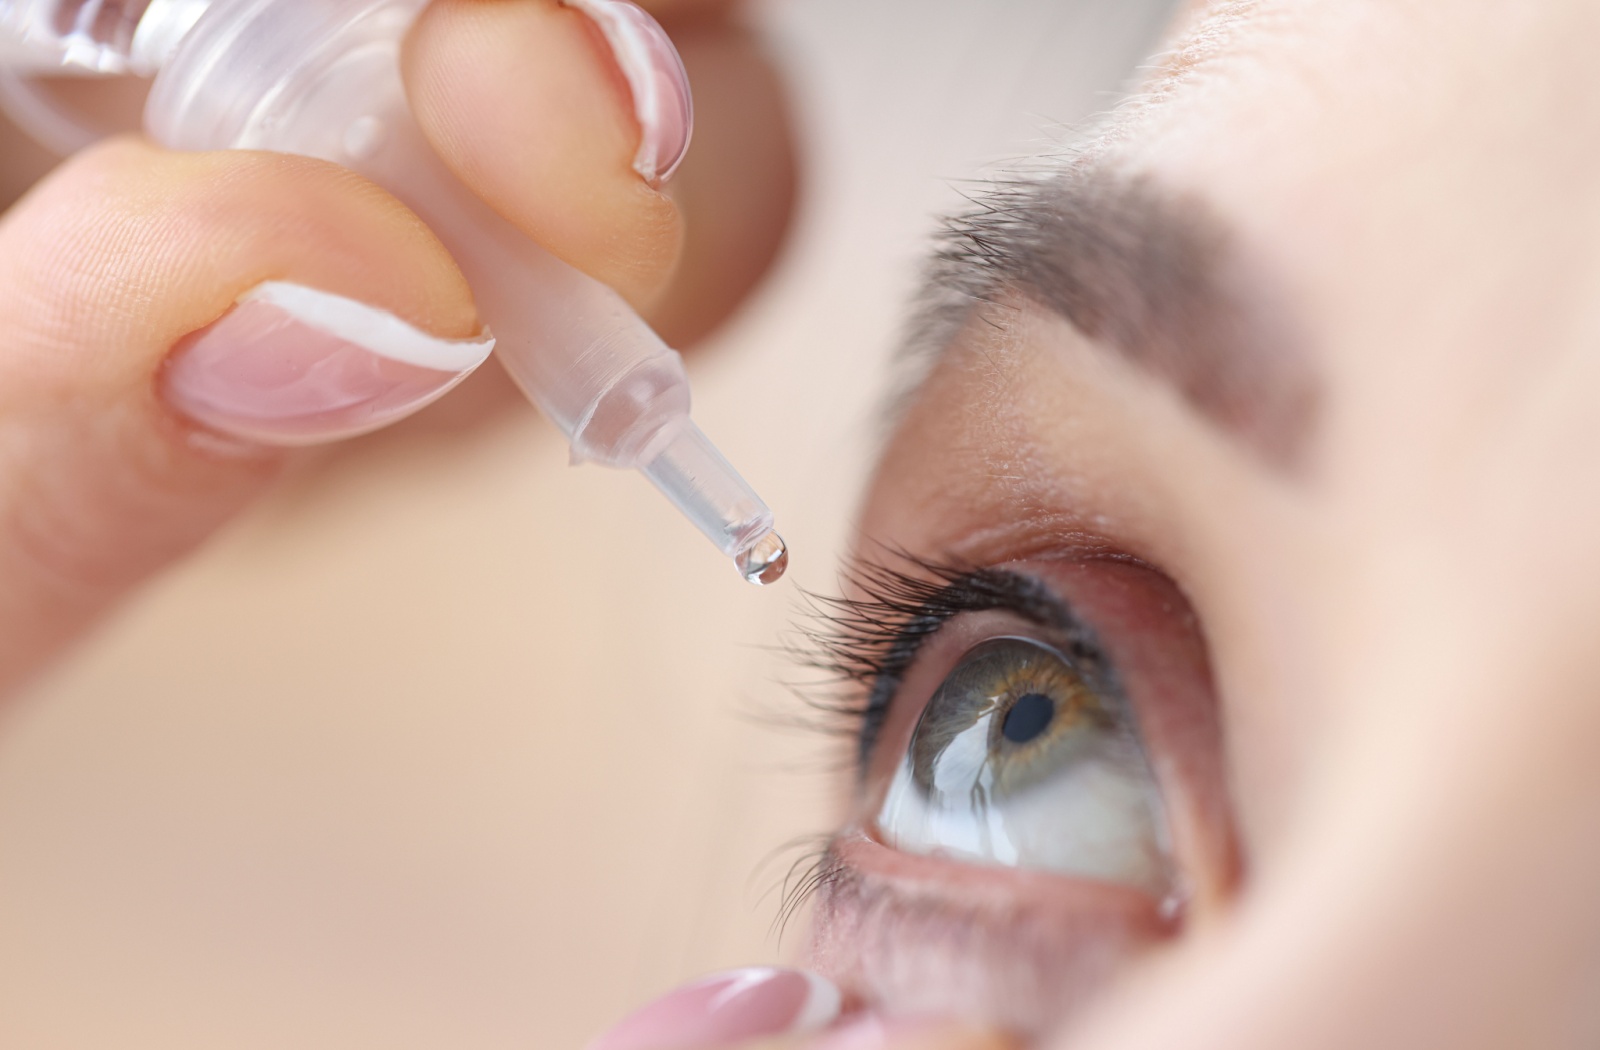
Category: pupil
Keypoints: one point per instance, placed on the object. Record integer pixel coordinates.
(1028, 717)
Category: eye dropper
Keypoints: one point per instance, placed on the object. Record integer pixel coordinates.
(321, 78)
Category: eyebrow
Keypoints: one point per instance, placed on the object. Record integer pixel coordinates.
(1146, 274)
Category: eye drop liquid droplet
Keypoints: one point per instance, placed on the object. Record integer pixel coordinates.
(764, 562)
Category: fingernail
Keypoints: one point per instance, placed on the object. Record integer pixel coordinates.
(899, 1033)
(726, 1009)
(877, 1033)
(291, 365)
(662, 102)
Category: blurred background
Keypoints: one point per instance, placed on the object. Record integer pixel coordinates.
(447, 744)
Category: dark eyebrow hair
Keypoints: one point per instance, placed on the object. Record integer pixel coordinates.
(1145, 273)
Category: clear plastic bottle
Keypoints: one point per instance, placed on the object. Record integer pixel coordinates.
(321, 78)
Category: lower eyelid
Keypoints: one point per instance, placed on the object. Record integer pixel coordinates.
(1025, 949)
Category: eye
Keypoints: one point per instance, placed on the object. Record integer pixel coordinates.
(1040, 793)
(1028, 757)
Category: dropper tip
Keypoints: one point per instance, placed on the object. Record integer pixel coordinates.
(764, 561)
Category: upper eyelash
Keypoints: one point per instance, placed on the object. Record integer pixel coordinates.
(867, 643)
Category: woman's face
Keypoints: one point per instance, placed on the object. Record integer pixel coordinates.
(1226, 613)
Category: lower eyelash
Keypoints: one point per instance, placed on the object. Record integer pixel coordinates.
(815, 869)
(867, 643)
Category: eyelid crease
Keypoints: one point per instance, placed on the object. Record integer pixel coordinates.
(870, 641)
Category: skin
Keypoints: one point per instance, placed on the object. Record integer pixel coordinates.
(1397, 620)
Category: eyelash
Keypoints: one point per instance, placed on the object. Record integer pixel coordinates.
(867, 643)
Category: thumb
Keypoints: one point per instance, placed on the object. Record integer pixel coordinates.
(119, 452)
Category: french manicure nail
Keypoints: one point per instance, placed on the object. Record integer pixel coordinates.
(662, 102)
(871, 1033)
(905, 1033)
(292, 365)
(866, 1033)
(728, 1008)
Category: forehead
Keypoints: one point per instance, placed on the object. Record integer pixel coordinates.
(1421, 178)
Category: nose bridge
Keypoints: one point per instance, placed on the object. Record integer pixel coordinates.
(1442, 889)
(1439, 881)
(1458, 876)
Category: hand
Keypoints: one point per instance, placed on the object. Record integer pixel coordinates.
(121, 275)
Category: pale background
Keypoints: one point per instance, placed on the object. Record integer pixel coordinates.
(447, 745)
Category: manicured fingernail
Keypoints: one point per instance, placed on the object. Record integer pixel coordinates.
(291, 365)
(909, 1033)
(662, 102)
(866, 1033)
(872, 1033)
(726, 1009)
